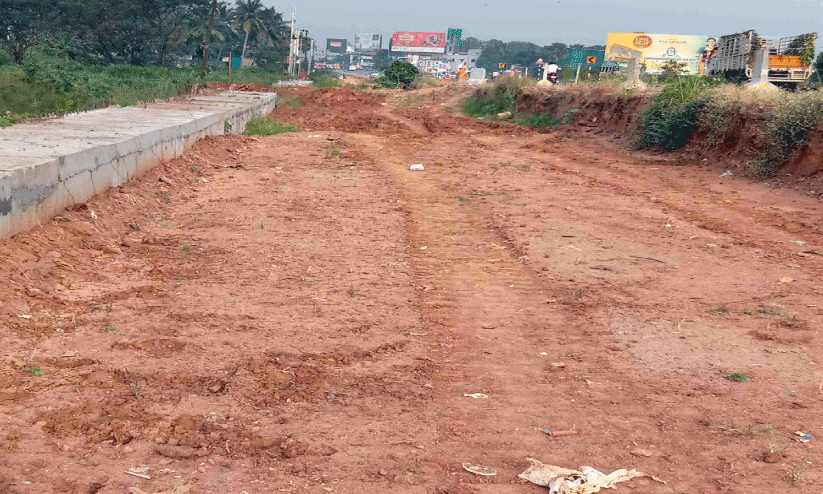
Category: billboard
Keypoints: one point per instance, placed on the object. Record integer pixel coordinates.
(411, 42)
(368, 42)
(656, 49)
(336, 45)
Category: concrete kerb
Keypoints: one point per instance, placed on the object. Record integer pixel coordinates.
(49, 166)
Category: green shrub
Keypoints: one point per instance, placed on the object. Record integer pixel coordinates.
(716, 117)
(762, 168)
(398, 75)
(790, 123)
(263, 126)
(669, 121)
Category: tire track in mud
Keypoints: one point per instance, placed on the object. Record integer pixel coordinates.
(490, 330)
(476, 315)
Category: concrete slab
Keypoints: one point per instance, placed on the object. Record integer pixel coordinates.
(50, 165)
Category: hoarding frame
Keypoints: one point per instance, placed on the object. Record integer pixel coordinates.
(373, 43)
(335, 49)
(418, 42)
(657, 49)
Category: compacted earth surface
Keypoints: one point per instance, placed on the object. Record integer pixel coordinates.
(303, 313)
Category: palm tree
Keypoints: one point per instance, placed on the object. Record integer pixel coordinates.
(248, 15)
(277, 29)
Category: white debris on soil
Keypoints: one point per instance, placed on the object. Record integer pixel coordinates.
(587, 480)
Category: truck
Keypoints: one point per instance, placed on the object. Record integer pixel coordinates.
(790, 58)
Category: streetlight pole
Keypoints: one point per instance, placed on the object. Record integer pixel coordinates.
(291, 42)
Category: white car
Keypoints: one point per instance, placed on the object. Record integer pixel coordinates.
(374, 75)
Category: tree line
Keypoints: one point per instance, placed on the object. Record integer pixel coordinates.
(521, 53)
(143, 32)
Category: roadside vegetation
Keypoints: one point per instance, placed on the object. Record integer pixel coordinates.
(499, 97)
(678, 105)
(264, 126)
(399, 75)
(324, 79)
(45, 85)
(56, 59)
(687, 103)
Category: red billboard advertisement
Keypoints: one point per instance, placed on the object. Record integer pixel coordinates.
(411, 42)
(336, 45)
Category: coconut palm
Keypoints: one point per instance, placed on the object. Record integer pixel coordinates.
(277, 29)
(248, 16)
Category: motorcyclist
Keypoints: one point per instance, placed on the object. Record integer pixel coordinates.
(552, 69)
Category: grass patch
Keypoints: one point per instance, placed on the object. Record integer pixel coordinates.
(263, 126)
(34, 370)
(797, 475)
(423, 81)
(333, 151)
(499, 97)
(326, 80)
(749, 430)
(547, 120)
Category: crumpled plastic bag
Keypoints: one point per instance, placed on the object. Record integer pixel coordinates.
(587, 480)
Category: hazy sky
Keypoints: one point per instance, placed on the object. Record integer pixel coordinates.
(544, 22)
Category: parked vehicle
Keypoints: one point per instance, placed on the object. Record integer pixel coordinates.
(789, 62)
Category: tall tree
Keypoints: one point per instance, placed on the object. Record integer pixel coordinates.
(26, 23)
(140, 31)
(277, 28)
(248, 16)
(207, 43)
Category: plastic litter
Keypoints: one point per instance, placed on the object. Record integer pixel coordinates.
(417, 168)
(727, 173)
(804, 438)
(587, 480)
(798, 242)
(475, 395)
(478, 470)
(570, 432)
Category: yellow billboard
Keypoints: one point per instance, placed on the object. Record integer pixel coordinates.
(656, 49)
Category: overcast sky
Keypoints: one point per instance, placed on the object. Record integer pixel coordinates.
(547, 21)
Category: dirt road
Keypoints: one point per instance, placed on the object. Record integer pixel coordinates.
(302, 313)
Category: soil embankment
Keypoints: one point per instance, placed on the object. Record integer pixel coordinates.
(741, 138)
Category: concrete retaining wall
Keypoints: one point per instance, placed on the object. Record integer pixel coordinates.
(48, 166)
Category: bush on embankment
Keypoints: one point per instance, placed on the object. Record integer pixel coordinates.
(713, 119)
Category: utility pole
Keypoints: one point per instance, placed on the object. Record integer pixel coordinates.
(208, 38)
(291, 43)
(311, 60)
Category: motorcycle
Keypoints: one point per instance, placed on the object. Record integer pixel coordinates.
(553, 78)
